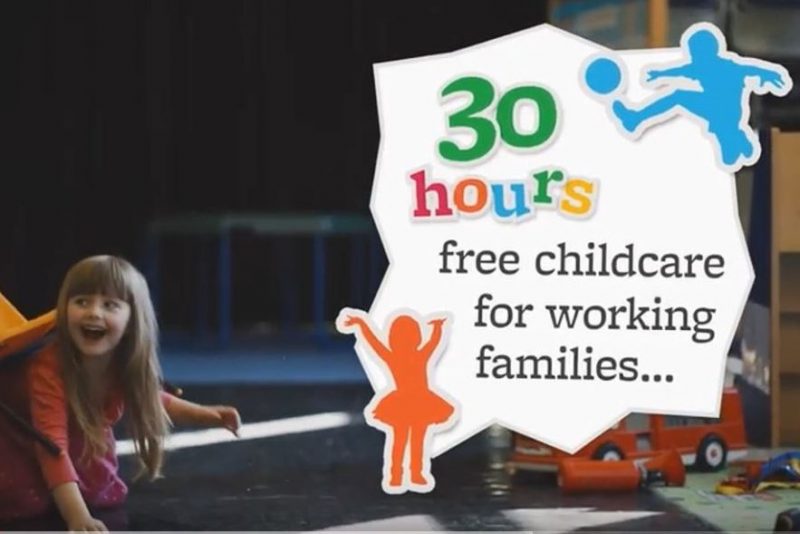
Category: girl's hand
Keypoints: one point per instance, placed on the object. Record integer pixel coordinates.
(228, 418)
(72, 507)
(86, 524)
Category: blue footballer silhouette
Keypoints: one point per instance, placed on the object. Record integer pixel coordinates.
(724, 82)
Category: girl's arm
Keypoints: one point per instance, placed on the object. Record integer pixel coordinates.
(48, 405)
(72, 507)
(436, 337)
(183, 412)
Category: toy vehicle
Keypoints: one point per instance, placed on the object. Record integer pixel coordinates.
(782, 471)
(706, 443)
(579, 475)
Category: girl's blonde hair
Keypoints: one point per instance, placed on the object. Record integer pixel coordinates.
(135, 362)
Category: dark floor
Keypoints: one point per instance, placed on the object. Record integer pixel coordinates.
(331, 478)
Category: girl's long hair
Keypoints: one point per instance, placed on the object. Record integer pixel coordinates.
(134, 364)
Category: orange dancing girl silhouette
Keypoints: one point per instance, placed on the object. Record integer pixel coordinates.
(407, 412)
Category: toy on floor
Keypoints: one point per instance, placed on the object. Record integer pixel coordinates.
(706, 443)
(780, 472)
(577, 475)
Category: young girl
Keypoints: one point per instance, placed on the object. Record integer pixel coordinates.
(103, 360)
(407, 412)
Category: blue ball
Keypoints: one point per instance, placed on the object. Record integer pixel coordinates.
(603, 76)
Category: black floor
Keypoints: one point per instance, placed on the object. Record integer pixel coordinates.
(331, 478)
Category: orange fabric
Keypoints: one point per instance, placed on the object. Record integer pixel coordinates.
(19, 338)
(10, 317)
(18, 333)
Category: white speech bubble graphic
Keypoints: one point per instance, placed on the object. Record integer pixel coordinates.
(661, 201)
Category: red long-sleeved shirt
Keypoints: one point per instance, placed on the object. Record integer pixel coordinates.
(98, 477)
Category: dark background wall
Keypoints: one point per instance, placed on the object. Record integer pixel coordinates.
(114, 113)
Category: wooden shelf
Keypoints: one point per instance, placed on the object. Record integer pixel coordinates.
(789, 280)
(785, 205)
(790, 343)
(785, 292)
(789, 430)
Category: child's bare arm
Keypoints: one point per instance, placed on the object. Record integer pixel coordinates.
(74, 511)
(183, 412)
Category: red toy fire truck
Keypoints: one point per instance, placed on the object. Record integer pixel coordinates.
(706, 443)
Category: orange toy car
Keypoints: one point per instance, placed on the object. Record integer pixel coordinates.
(706, 443)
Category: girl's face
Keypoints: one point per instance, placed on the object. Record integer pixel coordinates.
(97, 323)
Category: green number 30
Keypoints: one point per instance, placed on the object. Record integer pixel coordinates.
(484, 128)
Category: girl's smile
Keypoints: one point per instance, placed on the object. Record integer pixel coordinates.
(97, 323)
